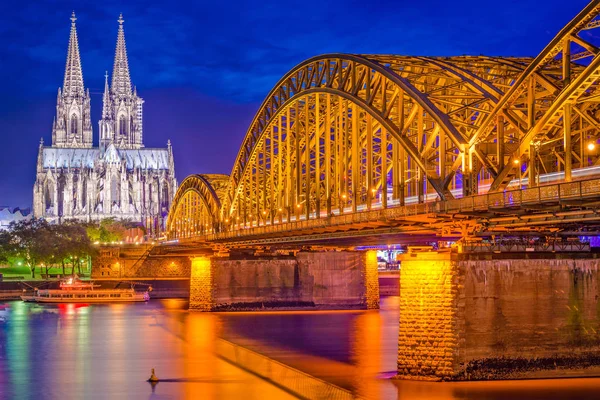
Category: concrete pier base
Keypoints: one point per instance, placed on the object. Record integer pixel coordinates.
(371, 275)
(468, 317)
(202, 287)
(339, 280)
(431, 316)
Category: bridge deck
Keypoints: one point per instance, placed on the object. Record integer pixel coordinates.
(541, 209)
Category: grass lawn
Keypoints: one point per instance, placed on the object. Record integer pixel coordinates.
(26, 272)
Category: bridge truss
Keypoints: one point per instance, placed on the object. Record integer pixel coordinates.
(343, 134)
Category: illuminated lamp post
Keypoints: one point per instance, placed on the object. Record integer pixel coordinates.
(517, 163)
(591, 146)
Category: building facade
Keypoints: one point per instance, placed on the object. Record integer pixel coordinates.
(119, 178)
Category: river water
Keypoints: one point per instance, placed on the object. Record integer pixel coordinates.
(106, 351)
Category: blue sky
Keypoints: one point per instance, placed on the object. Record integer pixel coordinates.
(203, 68)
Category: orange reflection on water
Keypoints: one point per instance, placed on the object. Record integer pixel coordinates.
(200, 362)
(366, 353)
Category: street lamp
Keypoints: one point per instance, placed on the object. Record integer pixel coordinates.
(591, 146)
(517, 163)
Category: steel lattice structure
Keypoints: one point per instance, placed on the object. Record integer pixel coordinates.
(344, 133)
(196, 206)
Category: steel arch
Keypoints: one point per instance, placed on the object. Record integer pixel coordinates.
(360, 78)
(197, 189)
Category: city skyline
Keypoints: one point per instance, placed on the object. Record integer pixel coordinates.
(207, 71)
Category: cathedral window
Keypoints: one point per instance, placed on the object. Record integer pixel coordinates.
(49, 196)
(123, 126)
(114, 190)
(60, 200)
(74, 124)
(165, 197)
(83, 193)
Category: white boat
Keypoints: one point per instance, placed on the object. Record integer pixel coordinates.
(75, 291)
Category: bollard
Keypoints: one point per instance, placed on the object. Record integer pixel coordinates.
(153, 377)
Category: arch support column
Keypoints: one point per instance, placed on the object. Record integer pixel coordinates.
(431, 334)
(371, 275)
(202, 287)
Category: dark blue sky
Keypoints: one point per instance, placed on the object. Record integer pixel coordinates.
(203, 68)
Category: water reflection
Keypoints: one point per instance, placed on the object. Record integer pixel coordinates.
(17, 349)
(107, 351)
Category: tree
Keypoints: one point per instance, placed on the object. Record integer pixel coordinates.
(31, 240)
(78, 246)
(110, 230)
(38, 242)
(4, 246)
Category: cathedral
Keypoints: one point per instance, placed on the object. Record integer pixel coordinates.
(118, 179)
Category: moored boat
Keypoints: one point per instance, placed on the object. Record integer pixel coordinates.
(76, 291)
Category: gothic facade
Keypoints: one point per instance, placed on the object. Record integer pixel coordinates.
(120, 178)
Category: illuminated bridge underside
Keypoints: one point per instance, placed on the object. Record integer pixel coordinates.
(351, 142)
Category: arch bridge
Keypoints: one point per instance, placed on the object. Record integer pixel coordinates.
(349, 145)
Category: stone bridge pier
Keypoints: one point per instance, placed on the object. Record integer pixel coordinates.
(328, 279)
(468, 317)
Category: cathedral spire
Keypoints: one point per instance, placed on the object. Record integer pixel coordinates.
(106, 98)
(73, 83)
(121, 82)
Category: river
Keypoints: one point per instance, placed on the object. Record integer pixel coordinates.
(106, 351)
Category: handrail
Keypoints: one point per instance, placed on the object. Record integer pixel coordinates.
(557, 192)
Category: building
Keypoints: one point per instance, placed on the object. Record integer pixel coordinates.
(9, 215)
(118, 179)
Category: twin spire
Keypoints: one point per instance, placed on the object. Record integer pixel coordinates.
(122, 108)
(73, 83)
(121, 80)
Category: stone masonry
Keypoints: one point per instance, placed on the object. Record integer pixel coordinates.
(371, 274)
(471, 317)
(346, 279)
(202, 286)
(137, 261)
(431, 309)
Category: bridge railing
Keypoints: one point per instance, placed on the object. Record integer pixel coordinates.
(578, 190)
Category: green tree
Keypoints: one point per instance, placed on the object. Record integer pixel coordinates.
(40, 243)
(4, 246)
(110, 230)
(79, 246)
(30, 240)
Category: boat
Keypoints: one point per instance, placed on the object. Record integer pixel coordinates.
(73, 290)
